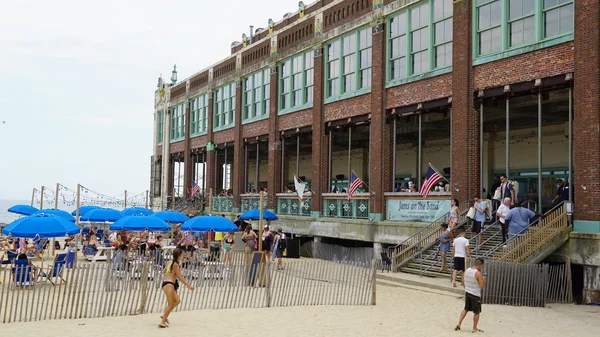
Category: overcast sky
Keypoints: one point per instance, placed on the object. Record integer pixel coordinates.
(77, 79)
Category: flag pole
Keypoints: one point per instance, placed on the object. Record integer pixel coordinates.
(443, 177)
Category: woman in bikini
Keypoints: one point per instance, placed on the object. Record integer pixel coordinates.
(171, 284)
(228, 243)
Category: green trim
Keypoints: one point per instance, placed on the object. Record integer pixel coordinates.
(265, 86)
(231, 110)
(506, 50)
(296, 108)
(198, 134)
(340, 58)
(255, 119)
(375, 217)
(160, 121)
(524, 49)
(586, 226)
(177, 126)
(199, 126)
(419, 77)
(224, 127)
(315, 214)
(347, 95)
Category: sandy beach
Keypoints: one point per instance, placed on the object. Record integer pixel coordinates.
(399, 311)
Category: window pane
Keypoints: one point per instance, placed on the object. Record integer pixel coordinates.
(566, 19)
(399, 68)
(420, 39)
(398, 25)
(419, 16)
(308, 60)
(443, 55)
(550, 3)
(334, 70)
(551, 22)
(309, 94)
(308, 80)
(438, 10)
(496, 39)
(443, 31)
(349, 64)
(333, 51)
(365, 78)
(334, 88)
(365, 58)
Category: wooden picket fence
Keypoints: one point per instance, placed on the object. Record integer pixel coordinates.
(531, 285)
(97, 290)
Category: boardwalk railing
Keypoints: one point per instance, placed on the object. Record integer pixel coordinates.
(98, 290)
(522, 247)
(423, 239)
(531, 285)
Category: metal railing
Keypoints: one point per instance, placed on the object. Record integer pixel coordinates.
(289, 204)
(424, 238)
(222, 204)
(337, 205)
(251, 201)
(532, 238)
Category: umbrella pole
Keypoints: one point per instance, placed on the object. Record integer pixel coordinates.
(77, 206)
(55, 207)
(125, 199)
(260, 222)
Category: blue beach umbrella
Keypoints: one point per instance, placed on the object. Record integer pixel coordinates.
(136, 211)
(140, 223)
(57, 212)
(23, 209)
(101, 215)
(44, 225)
(255, 215)
(171, 217)
(83, 210)
(206, 222)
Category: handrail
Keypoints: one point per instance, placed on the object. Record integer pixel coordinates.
(409, 248)
(532, 238)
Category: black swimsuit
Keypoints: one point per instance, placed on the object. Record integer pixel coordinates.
(175, 285)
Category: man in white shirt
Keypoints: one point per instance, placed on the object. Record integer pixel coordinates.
(475, 281)
(501, 212)
(460, 249)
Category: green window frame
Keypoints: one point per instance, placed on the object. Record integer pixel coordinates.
(224, 107)
(177, 123)
(419, 41)
(198, 115)
(160, 116)
(503, 27)
(348, 65)
(296, 83)
(256, 96)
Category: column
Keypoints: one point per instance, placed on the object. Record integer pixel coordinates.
(210, 151)
(586, 134)
(274, 156)
(166, 167)
(320, 139)
(380, 160)
(188, 167)
(465, 119)
(238, 151)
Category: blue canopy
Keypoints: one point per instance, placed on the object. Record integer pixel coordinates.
(44, 225)
(136, 211)
(255, 215)
(23, 209)
(83, 210)
(101, 215)
(206, 222)
(57, 212)
(171, 217)
(140, 223)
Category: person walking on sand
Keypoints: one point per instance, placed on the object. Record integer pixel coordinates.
(171, 284)
(460, 249)
(475, 281)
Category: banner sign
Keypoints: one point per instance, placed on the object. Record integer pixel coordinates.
(416, 210)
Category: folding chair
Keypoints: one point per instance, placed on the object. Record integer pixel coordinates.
(21, 273)
(10, 257)
(55, 271)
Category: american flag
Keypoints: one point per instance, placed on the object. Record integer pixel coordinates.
(430, 180)
(194, 190)
(354, 184)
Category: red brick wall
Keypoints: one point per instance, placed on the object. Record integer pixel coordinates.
(294, 120)
(274, 154)
(256, 129)
(176, 147)
(198, 142)
(355, 106)
(586, 121)
(525, 67)
(465, 120)
(320, 141)
(345, 11)
(420, 91)
(225, 136)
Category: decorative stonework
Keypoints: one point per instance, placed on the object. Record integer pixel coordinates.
(301, 8)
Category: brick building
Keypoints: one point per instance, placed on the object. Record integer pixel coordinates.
(476, 88)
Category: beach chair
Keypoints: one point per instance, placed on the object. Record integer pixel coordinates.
(55, 271)
(22, 274)
(38, 251)
(10, 257)
(70, 260)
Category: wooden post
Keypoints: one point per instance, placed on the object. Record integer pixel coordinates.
(147, 198)
(374, 282)
(33, 196)
(56, 196)
(42, 198)
(125, 199)
(260, 222)
(144, 279)
(77, 204)
(210, 201)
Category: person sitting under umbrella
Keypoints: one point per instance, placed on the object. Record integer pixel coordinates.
(33, 267)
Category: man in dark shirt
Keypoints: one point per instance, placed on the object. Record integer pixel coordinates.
(562, 193)
(241, 224)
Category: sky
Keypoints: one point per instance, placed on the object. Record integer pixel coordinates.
(77, 81)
